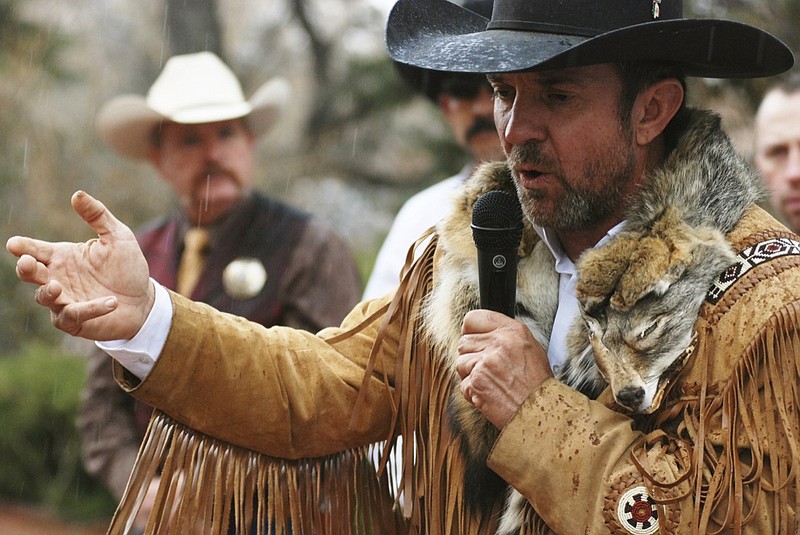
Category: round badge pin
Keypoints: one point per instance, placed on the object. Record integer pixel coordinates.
(637, 512)
(244, 278)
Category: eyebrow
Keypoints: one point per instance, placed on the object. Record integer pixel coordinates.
(545, 78)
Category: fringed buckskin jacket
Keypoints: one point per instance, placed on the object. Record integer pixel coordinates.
(299, 414)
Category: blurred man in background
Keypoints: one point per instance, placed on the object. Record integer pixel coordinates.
(225, 244)
(777, 150)
(465, 101)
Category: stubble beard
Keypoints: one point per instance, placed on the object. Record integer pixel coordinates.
(580, 206)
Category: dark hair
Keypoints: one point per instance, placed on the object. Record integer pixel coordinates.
(465, 86)
(639, 75)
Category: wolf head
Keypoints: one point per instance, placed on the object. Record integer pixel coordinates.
(640, 296)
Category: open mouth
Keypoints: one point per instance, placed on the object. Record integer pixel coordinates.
(529, 177)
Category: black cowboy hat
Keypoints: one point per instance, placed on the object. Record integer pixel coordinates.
(429, 82)
(525, 35)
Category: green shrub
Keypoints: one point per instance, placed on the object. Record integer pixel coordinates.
(39, 445)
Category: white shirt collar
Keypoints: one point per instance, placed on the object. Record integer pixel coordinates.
(564, 264)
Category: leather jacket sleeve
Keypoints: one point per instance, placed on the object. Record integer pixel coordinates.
(288, 394)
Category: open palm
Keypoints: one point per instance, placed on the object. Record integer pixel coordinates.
(98, 289)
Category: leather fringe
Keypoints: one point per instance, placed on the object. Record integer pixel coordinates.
(212, 487)
(431, 461)
(209, 486)
(761, 406)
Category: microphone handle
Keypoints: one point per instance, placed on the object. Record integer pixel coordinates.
(497, 279)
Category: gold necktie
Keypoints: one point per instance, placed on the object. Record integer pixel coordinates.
(191, 265)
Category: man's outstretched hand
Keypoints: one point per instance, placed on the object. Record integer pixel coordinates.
(99, 289)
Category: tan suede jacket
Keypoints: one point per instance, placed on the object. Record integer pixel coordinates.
(728, 428)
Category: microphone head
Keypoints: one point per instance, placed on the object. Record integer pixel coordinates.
(497, 221)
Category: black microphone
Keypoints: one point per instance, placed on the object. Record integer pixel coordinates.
(497, 231)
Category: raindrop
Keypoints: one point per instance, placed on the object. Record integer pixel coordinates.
(25, 160)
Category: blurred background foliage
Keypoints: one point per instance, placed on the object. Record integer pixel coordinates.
(353, 144)
(39, 446)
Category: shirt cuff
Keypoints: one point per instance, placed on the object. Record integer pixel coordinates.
(139, 354)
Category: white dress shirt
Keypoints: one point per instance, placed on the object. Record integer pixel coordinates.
(568, 305)
(139, 354)
(418, 214)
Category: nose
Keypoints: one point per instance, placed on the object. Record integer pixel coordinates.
(214, 148)
(522, 123)
(630, 397)
(793, 163)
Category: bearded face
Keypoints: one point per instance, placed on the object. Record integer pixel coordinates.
(572, 154)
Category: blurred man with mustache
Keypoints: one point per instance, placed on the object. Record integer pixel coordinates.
(465, 101)
(259, 258)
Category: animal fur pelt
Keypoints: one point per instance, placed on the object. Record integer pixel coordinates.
(639, 294)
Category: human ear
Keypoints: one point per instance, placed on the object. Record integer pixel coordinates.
(658, 104)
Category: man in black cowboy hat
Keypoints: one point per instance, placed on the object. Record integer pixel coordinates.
(649, 282)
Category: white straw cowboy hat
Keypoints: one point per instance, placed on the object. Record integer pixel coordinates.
(191, 89)
(526, 35)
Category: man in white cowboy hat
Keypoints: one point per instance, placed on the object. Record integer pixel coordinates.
(263, 260)
(648, 383)
(465, 103)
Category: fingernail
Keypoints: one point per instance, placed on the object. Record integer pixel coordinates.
(111, 302)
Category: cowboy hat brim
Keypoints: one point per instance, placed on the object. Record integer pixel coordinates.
(429, 82)
(439, 35)
(126, 123)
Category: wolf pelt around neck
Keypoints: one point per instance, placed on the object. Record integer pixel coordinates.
(647, 282)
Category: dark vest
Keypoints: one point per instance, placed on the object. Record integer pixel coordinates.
(260, 227)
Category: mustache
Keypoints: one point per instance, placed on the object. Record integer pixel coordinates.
(213, 169)
(481, 124)
(529, 153)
